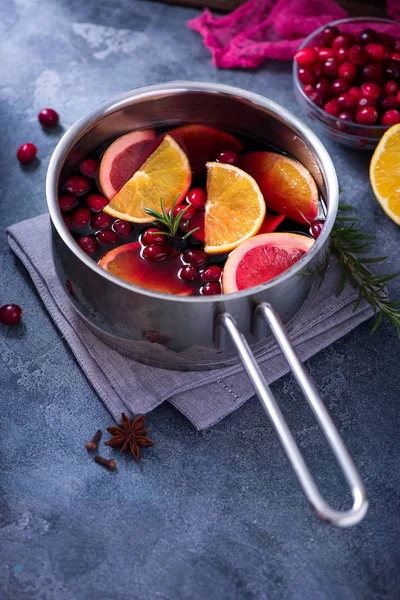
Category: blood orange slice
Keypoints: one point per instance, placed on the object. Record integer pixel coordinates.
(126, 263)
(123, 158)
(288, 188)
(262, 258)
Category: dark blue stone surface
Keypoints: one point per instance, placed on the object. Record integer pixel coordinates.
(217, 515)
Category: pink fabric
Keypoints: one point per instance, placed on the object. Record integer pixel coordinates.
(261, 29)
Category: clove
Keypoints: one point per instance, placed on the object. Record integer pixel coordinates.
(109, 464)
(94, 442)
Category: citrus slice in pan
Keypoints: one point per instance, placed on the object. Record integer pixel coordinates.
(262, 258)
(235, 208)
(384, 173)
(165, 174)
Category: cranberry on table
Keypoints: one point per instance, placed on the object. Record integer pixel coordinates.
(197, 198)
(190, 211)
(373, 72)
(228, 157)
(376, 52)
(89, 167)
(305, 75)
(390, 88)
(153, 236)
(101, 221)
(369, 36)
(370, 89)
(188, 273)
(106, 237)
(96, 202)
(347, 102)
(316, 228)
(77, 185)
(329, 34)
(389, 103)
(391, 117)
(358, 55)
(81, 216)
(155, 253)
(26, 153)
(122, 228)
(196, 258)
(67, 220)
(10, 314)
(306, 56)
(340, 86)
(48, 117)
(68, 202)
(212, 273)
(332, 107)
(347, 70)
(210, 289)
(367, 115)
(88, 244)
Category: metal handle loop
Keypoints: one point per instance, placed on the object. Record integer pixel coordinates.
(265, 312)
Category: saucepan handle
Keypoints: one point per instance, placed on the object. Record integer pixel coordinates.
(226, 325)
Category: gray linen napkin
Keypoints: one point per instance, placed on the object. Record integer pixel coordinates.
(204, 397)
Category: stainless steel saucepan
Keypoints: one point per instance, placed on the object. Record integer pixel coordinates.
(206, 332)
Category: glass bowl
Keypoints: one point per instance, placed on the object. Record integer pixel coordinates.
(348, 133)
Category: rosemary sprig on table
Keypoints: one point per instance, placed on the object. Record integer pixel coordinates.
(349, 243)
(168, 220)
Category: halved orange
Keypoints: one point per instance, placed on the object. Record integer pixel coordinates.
(235, 208)
(288, 187)
(384, 173)
(165, 174)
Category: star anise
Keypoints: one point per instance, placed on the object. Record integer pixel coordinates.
(129, 436)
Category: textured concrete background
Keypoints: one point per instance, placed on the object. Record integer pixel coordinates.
(217, 515)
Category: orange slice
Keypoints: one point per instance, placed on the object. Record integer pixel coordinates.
(165, 174)
(262, 258)
(384, 173)
(288, 187)
(235, 208)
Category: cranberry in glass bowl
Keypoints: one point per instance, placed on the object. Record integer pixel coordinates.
(364, 68)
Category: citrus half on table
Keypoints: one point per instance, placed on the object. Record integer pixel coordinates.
(235, 208)
(384, 173)
(165, 174)
(262, 258)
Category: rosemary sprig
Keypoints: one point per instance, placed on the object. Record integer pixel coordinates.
(349, 243)
(168, 220)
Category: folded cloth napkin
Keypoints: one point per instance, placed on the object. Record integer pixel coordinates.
(261, 29)
(204, 397)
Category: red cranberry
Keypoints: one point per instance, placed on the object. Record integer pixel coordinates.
(345, 116)
(308, 89)
(370, 90)
(372, 72)
(369, 36)
(107, 237)
(96, 202)
(211, 289)
(347, 102)
(340, 86)
(10, 314)
(88, 244)
(391, 117)
(347, 71)
(325, 53)
(390, 88)
(358, 55)
(155, 253)
(343, 40)
(228, 157)
(356, 92)
(123, 228)
(367, 116)
(363, 102)
(395, 56)
(89, 168)
(392, 70)
(153, 236)
(26, 153)
(67, 202)
(197, 198)
(67, 220)
(306, 56)
(81, 216)
(329, 34)
(101, 221)
(212, 273)
(330, 68)
(305, 75)
(341, 54)
(189, 212)
(188, 273)
(48, 117)
(77, 185)
(376, 52)
(389, 103)
(196, 258)
(387, 40)
(332, 107)
(316, 228)
(317, 98)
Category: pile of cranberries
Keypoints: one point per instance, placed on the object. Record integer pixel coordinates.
(353, 78)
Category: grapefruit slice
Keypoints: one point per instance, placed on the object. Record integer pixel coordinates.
(203, 143)
(384, 173)
(262, 258)
(235, 208)
(288, 187)
(126, 263)
(165, 174)
(123, 158)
